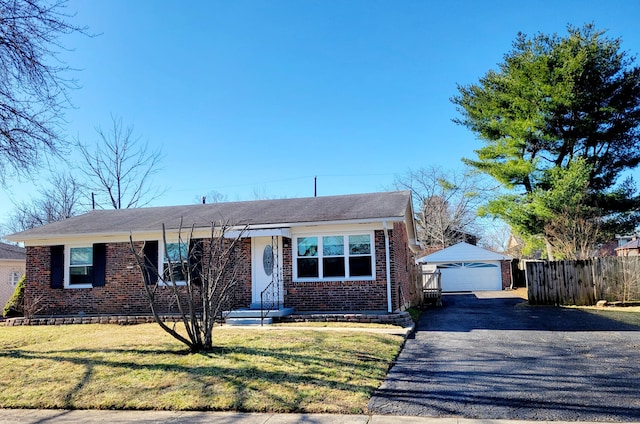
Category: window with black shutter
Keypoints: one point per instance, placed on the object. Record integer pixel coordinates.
(99, 264)
(150, 252)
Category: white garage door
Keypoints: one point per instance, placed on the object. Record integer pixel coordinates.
(470, 276)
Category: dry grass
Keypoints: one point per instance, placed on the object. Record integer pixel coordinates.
(141, 367)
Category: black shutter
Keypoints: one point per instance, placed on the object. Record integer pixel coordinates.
(195, 261)
(150, 252)
(57, 267)
(99, 264)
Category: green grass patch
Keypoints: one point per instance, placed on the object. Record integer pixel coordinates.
(415, 314)
(628, 316)
(141, 367)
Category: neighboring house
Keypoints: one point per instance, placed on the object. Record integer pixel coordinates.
(465, 267)
(12, 267)
(335, 253)
(631, 248)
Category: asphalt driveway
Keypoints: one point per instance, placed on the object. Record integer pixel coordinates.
(488, 355)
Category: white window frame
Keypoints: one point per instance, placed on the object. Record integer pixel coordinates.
(321, 277)
(67, 265)
(13, 281)
(162, 262)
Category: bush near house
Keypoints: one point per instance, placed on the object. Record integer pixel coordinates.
(15, 305)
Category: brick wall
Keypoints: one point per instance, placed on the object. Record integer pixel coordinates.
(404, 292)
(123, 292)
(338, 295)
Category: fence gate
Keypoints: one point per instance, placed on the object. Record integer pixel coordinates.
(431, 284)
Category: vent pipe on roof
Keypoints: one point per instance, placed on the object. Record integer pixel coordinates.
(315, 186)
(204, 200)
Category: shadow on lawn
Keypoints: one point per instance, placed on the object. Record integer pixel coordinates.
(279, 382)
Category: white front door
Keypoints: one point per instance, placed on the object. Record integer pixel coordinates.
(266, 253)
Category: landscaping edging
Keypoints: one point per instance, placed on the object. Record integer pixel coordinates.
(104, 319)
(402, 319)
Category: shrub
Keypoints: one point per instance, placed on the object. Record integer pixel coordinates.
(15, 305)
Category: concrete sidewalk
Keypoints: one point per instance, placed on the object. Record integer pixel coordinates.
(38, 416)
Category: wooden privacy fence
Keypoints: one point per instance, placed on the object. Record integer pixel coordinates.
(583, 282)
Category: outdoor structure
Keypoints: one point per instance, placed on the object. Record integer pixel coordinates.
(335, 253)
(12, 267)
(464, 267)
(630, 248)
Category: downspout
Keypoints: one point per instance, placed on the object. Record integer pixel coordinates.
(388, 263)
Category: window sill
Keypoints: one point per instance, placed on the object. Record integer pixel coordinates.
(78, 286)
(169, 284)
(333, 279)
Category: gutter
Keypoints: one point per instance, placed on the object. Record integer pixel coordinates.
(388, 265)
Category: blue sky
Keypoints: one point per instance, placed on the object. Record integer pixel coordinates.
(255, 98)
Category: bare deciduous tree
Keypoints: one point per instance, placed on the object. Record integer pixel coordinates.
(574, 235)
(445, 203)
(34, 82)
(119, 167)
(201, 275)
(58, 201)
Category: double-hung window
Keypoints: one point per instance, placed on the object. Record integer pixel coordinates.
(175, 259)
(345, 256)
(80, 266)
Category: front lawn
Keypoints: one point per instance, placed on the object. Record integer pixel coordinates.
(141, 367)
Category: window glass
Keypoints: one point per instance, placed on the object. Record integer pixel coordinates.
(81, 255)
(81, 265)
(307, 246)
(333, 246)
(360, 266)
(14, 278)
(333, 267)
(174, 253)
(360, 244)
(308, 267)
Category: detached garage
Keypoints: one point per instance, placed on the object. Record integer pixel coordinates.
(465, 267)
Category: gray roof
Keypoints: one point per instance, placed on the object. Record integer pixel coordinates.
(355, 207)
(633, 244)
(10, 251)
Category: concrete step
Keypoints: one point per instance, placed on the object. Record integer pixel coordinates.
(248, 321)
(256, 313)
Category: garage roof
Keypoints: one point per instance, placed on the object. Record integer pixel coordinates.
(464, 252)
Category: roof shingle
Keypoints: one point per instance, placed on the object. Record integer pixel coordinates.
(10, 251)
